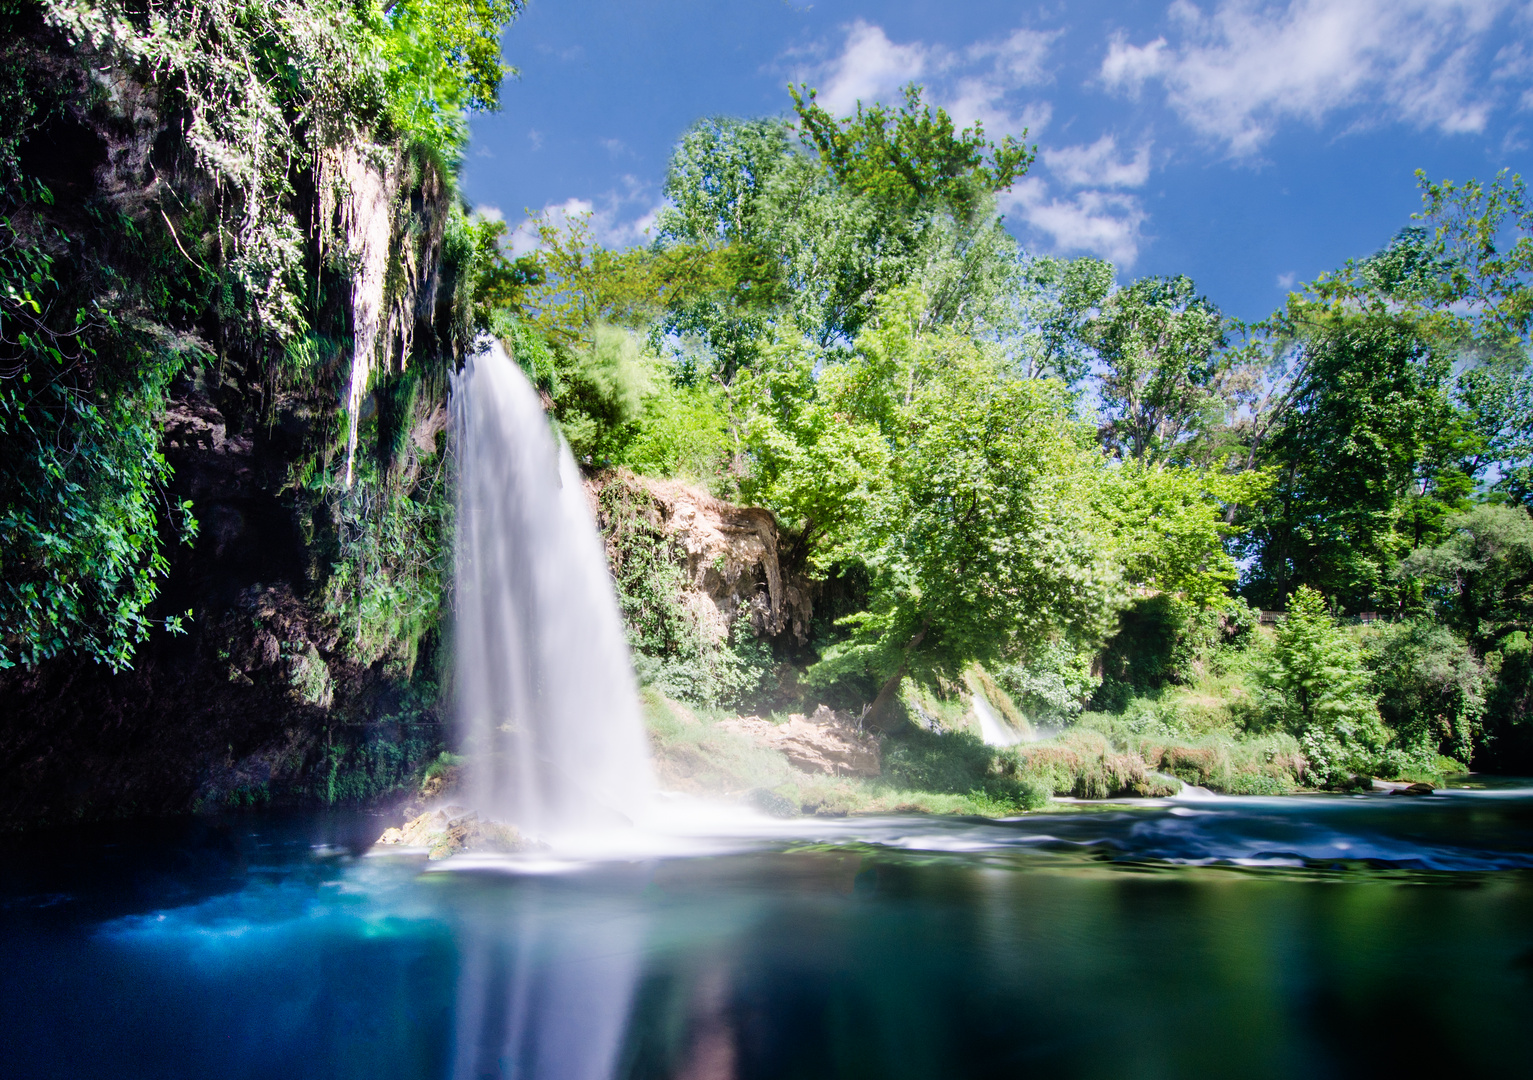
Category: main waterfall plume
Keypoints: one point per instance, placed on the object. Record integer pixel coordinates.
(546, 697)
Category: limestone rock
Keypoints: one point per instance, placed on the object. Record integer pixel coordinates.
(453, 829)
(727, 552)
(827, 742)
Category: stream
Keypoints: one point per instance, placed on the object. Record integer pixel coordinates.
(1323, 936)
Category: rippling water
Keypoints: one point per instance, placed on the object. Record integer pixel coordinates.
(1232, 937)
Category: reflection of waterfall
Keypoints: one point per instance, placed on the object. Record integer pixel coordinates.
(546, 995)
(546, 695)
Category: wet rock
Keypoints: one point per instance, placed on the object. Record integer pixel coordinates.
(827, 742)
(1419, 789)
(771, 803)
(451, 830)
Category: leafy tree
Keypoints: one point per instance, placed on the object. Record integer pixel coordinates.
(1052, 304)
(1430, 688)
(911, 159)
(983, 541)
(1479, 578)
(1159, 343)
(1366, 460)
(1170, 525)
(1318, 691)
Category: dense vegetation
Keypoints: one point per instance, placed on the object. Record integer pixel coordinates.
(994, 467)
(233, 262)
(1001, 459)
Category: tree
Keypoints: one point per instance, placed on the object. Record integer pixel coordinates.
(1430, 688)
(1159, 342)
(911, 159)
(1366, 460)
(1170, 525)
(1052, 303)
(984, 541)
(1479, 578)
(1318, 691)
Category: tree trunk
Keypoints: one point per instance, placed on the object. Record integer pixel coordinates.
(878, 717)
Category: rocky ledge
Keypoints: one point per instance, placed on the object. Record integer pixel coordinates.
(454, 829)
(827, 742)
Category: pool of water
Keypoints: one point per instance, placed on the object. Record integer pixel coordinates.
(1233, 937)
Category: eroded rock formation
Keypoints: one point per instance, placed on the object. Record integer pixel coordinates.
(729, 554)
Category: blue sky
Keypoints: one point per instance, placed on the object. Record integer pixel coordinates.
(1250, 145)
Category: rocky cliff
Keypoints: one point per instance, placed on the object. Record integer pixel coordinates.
(270, 289)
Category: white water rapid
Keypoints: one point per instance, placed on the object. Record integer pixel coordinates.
(546, 698)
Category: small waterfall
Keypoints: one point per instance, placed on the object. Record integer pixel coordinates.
(546, 698)
(994, 730)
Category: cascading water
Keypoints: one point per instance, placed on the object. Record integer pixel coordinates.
(546, 696)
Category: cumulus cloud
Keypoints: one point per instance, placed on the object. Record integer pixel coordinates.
(1240, 67)
(1098, 164)
(975, 84)
(619, 219)
(1107, 224)
(869, 68)
(1079, 205)
(1126, 66)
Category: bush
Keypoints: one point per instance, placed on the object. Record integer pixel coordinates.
(1430, 688)
(1317, 690)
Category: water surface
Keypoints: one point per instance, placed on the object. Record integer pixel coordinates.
(1249, 937)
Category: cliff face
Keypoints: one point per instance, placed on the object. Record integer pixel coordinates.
(728, 555)
(310, 458)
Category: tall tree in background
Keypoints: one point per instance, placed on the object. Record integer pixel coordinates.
(1159, 343)
(1366, 460)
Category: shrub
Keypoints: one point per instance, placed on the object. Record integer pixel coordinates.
(1317, 690)
(1430, 687)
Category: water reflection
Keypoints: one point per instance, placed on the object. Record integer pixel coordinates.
(544, 990)
(1089, 944)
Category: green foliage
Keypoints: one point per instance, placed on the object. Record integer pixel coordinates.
(1050, 317)
(1171, 525)
(83, 493)
(605, 384)
(683, 432)
(958, 763)
(911, 158)
(983, 541)
(1430, 688)
(441, 60)
(1318, 692)
(387, 588)
(1051, 682)
(1479, 579)
(1365, 462)
(1160, 344)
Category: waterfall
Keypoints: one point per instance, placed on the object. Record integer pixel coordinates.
(546, 699)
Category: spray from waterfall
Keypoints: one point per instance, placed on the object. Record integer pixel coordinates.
(546, 697)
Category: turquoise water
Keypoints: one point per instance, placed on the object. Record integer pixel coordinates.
(1241, 937)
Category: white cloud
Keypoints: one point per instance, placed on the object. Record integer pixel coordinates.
(870, 68)
(535, 137)
(490, 213)
(1242, 67)
(1285, 281)
(1108, 224)
(1098, 165)
(524, 238)
(993, 82)
(1126, 66)
(614, 147)
(619, 219)
(972, 84)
